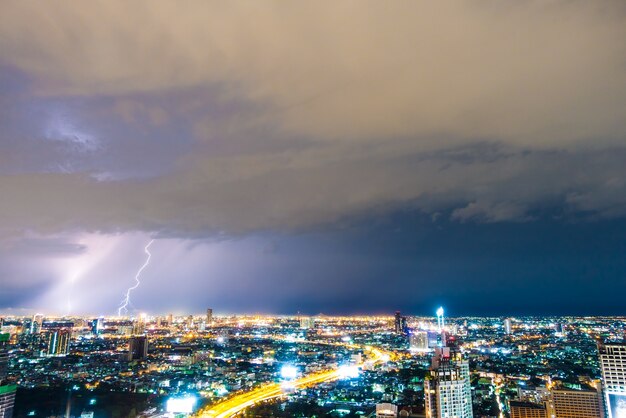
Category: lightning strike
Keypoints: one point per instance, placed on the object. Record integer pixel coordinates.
(126, 301)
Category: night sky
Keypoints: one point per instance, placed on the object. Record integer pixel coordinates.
(345, 157)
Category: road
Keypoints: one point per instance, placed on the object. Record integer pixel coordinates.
(232, 406)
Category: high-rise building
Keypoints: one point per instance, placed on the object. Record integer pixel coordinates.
(397, 323)
(441, 323)
(138, 348)
(97, 325)
(307, 322)
(569, 403)
(447, 390)
(35, 325)
(209, 316)
(400, 325)
(7, 391)
(508, 326)
(418, 341)
(58, 342)
(613, 365)
(521, 409)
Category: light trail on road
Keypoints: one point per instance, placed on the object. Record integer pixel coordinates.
(238, 403)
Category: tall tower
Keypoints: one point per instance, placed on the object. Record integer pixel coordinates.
(508, 326)
(209, 316)
(138, 348)
(397, 323)
(440, 320)
(35, 325)
(447, 390)
(612, 361)
(7, 391)
(58, 342)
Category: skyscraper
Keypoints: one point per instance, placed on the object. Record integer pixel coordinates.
(397, 323)
(447, 390)
(209, 316)
(58, 342)
(7, 391)
(418, 341)
(613, 365)
(307, 322)
(441, 324)
(35, 325)
(138, 348)
(508, 326)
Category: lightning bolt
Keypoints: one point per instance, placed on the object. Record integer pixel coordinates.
(126, 300)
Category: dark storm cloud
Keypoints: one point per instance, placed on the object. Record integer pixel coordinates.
(219, 120)
(194, 120)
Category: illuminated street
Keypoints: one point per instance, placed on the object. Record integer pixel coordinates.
(238, 403)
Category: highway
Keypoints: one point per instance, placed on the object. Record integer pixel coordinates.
(238, 403)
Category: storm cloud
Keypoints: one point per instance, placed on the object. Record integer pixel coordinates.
(213, 120)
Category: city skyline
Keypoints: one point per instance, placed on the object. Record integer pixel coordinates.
(338, 159)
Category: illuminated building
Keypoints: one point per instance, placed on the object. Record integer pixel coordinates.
(419, 341)
(209, 316)
(434, 339)
(97, 325)
(440, 319)
(138, 348)
(508, 326)
(307, 322)
(520, 409)
(7, 391)
(568, 403)
(447, 390)
(58, 342)
(35, 325)
(139, 327)
(386, 410)
(613, 365)
(399, 324)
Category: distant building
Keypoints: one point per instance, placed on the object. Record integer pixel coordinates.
(441, 322)
(569, 403)
(397, 323)
(307, 322)
(559, 330)
(447, 390)
(58, 342)
(508, 326)
(434, 339)
(209, 316)
(400, 325)
(138, 348)
(36, 323)
(613, 365)
(521, 409)
(97, 325)
(7, 391)
(418, 341)
(386, 410)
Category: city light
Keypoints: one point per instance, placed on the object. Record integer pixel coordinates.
(349, 372)
(181, 405)
(288, 372)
